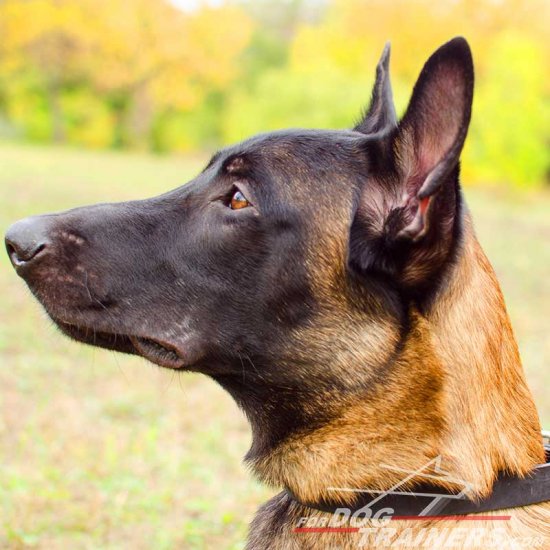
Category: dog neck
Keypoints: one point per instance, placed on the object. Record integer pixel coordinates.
(492, 421)
(455, 392)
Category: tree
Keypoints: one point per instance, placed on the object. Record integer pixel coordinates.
(42, 46)
(140, 57)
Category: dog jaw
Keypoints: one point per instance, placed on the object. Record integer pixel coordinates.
(159, 351)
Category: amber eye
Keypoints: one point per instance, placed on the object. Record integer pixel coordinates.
(238, 201)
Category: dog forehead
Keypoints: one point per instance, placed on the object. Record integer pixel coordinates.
(298, 162)
(293, 147)
(294, 166)
(299, 140)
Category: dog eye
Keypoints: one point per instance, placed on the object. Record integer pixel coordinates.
(238, 201)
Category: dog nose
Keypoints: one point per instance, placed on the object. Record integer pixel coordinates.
(25, 240)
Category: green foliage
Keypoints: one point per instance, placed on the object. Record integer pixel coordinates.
(98, 74)
(176, 130)
(88, 119)
(510, 139)
(30, 116)
(284, 98)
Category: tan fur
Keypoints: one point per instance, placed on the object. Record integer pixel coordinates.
(456, 389)
(493, 422)
(347, 450)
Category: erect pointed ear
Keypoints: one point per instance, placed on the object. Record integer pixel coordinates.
(407, 217)
(380, 115)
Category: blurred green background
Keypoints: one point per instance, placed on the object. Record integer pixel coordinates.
(106, 100)
(184, 76)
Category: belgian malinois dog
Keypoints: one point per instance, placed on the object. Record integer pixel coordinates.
(341, 271)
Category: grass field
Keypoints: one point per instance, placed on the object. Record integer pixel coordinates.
(106, 451)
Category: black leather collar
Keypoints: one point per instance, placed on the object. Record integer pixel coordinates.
(508, 492)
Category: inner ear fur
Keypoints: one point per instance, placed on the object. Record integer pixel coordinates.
(407, 212)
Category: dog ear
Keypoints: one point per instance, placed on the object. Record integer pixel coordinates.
(380, 115)
(406, 217)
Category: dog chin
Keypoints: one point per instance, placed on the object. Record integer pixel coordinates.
(157, 351)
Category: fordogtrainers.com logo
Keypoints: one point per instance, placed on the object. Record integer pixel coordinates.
(375, 525)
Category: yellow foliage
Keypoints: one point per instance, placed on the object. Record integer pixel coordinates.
(119, 47)
(353, 31)
(509, 39)
(205, 53)
(45, 35)
(143, 73)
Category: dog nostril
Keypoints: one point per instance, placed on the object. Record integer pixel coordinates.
(25, 240)
(35, 252)
(21, 255)
(11, 252)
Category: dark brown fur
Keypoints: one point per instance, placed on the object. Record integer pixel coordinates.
(347, 306)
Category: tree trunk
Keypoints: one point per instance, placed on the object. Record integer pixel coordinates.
(120, 105)
(58, 123)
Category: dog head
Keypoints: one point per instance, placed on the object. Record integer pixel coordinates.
(283, 250)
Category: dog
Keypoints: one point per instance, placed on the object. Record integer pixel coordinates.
(332, 283)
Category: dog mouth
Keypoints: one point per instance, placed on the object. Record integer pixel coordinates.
(157, 351)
